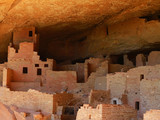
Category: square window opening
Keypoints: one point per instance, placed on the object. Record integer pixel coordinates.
(25, 70)
(36, 65)
(45, 65)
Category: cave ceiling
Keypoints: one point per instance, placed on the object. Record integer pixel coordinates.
(60, 20)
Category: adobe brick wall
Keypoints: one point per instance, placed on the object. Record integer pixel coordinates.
(129, 83)
(118, 68)
(150, 95)
(100, 83)
(154, 58)
(2, 66)
(118, 112)
(86, 112)
(91, 65)
(116, 84)
(7, 77)
(152, 115)
(25, 86)
(140, 60)
(107, 112)
(61, 99)
(32, 99)
(61, 80)
(35, 100)
(127, 62)
(66, 67)
(97, 80)
(134, 80)
(80, 72)
(99, 97)
(26, 57)
(78, 67)
(22, 35)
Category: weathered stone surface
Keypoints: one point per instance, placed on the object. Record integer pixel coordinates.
(6, 113)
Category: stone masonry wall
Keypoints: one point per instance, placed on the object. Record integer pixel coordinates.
(154, 58)
(149, 94)
(137, 91)
(89, 113)
(29, 59)
(116, 84)
(61, 80)
(7, 77)
(152, 115)
(23, 35)
(99, 97)
(106, 112)
(32, 99)
(61, 99)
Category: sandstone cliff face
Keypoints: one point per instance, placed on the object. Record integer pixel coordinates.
(65, 24)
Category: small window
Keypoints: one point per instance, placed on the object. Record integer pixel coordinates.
(115, 102)
(137, 105)
(45, 65)
(69, 111)
(39, 71)
(141, 77)
(25, 70)
(30, 33)
(36, 65)
(107, 30)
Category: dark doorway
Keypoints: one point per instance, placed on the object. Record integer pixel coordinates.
(115, 102)
(39, 71)
(69, 111)
(141, 77)
(30, 33)
(137, 105)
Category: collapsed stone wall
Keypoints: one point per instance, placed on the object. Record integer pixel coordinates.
(15, 113)
(91, 66)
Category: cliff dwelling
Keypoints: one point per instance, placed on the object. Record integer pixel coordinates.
(79, 60)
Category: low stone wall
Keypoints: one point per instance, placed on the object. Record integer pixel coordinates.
(152, 115)
(32, 99)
